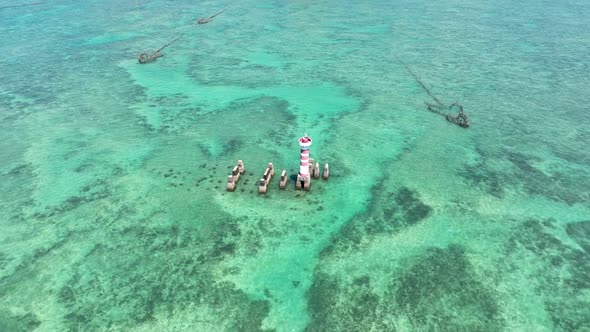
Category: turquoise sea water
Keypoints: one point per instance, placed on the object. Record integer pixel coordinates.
(114, 214)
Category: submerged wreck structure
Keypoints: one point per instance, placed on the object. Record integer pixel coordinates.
(438, 107)
(147, 58)
(24, 5)
(204, 20)
(461, 119)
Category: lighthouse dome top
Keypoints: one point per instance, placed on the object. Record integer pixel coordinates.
(305, 141)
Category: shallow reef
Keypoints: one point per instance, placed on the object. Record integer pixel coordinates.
(438, 290)
(523, 175)
(562, 293)
(114, 212)
(18, 322)
(387, 213)
(127, 283)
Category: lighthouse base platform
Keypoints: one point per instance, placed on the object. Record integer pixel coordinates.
(303, 182)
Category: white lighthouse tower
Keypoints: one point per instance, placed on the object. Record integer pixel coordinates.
(303, 178)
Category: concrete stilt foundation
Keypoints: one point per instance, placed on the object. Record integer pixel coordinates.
(266, 177)
(236, 173)
(241, 167)
(232, 180)
(231, 184)
(283, 183)
(303, 183)
(262, 186)
(307, 171)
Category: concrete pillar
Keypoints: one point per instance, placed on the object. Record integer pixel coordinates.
(231, 184)
(283, 183)
(236, 173)
(316, 171)
(262, 186)
(241, 167)
(307, 184)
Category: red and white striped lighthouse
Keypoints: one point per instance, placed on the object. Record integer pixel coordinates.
(303, 178)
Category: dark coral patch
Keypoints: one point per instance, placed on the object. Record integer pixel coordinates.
(485, 178)
(550, 256)
(562, 186)
(440, 292)
(233, 145)
(413, 208)
(124, 285)
(18, 323)
(437, 291)
(580, 231)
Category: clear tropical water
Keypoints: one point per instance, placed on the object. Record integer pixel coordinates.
(114, 214)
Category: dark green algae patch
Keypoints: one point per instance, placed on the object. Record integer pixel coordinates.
(562, 292)
(18, 323)
(524, 176)
(123, 284)
(388, 213)
(157, 270)
(438, 291)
